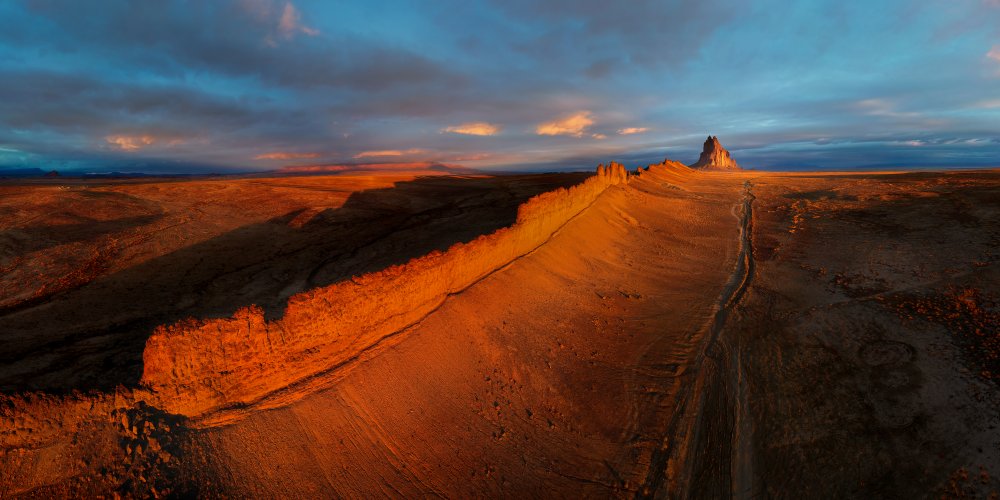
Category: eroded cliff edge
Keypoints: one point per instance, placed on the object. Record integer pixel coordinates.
(197, 366)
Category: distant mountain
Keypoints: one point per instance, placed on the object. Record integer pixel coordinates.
(119, 175)
(21, 172)
(715, 157)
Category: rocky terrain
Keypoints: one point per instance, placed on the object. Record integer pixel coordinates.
(138, 254)
(666, 332)
(715, 157)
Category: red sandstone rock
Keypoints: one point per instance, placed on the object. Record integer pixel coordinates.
(196, 366)
(715, 157)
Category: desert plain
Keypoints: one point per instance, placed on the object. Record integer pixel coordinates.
(659, 332)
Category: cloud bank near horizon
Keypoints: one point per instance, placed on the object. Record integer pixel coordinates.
(179, 86)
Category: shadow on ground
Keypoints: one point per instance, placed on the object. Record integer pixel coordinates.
(92, 337)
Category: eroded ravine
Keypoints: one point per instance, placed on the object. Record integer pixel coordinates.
(673, 471)
(741, 469)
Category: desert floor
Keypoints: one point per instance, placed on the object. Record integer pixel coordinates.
(688, 334)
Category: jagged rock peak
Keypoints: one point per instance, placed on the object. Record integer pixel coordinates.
(614, 171)
(715, 157)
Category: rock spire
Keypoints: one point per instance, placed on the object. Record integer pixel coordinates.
(715, 157)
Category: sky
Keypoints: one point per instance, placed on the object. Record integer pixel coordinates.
(182, 86)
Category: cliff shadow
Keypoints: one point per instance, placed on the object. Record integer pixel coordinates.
(92, 337)
(18, 242)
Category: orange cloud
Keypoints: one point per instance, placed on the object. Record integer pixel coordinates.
(574, 125)
(280, 155)
(632, 130)
(474, 128)
(599, 136)
(130, 142)
(473, 157)
(387, 152)
(371, 154)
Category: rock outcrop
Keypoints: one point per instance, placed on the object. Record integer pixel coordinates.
(197, 366)
(715, 157)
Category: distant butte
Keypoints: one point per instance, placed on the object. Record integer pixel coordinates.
(715, 157)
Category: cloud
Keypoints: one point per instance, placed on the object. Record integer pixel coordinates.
(186, 118)
(222, 40)
(387, 152)
(632, 130)
(280, 155)
(290, 23)
(647, 33)
(881, 107)
(130, 142)
(988, 104)
(373, 154)
(574, 125)
(287, 17)
(259, 9)
(599, 136)
(474, 128)
(994, 54)
(473, 157)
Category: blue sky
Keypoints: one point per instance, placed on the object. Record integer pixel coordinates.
(237, 85)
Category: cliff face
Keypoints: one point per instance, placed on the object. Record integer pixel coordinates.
(196, 366)
(715, 157)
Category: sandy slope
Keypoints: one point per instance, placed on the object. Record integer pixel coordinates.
(556, 375)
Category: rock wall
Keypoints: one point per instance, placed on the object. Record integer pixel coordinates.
(196, 366)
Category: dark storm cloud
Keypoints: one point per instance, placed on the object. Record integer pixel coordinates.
(649, 33)
(220, 83)
(178, 117)
(200, 78)
(232, 39)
